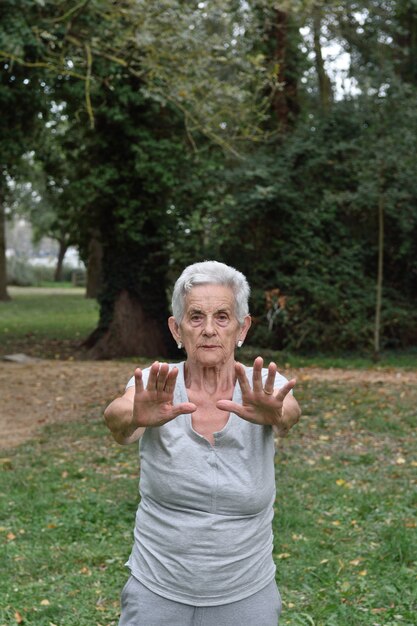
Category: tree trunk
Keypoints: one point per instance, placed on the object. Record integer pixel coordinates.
(63, 247)
(325, 87)
(379, 281)
(133, 296)
(285, 98)
(94, 266)
(4, 296)
(131, 333)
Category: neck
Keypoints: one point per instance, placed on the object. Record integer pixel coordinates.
(211, 379)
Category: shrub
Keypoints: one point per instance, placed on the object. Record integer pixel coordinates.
(20, 273)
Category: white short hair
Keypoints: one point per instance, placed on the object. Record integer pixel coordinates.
(211, 273)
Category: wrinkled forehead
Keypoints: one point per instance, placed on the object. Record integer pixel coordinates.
(209, 298)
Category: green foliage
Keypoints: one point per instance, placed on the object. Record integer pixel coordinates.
(22, 274)
(303, 220)
(142, 154)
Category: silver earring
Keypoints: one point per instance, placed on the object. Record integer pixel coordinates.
(240, 343)
(179, 344)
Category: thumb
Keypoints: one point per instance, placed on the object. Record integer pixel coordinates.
(183, 409)
(229, 406)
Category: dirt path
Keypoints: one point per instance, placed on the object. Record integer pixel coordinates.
(44, 392)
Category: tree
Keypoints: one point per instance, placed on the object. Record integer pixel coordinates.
(178, 61)
(22, 100)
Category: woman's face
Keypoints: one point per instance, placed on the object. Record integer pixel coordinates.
(209, 329)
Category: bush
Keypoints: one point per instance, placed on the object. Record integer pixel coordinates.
(21, 273)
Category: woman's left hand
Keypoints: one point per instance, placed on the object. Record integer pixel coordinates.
(262, 404)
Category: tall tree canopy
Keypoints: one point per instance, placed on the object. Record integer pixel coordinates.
(230, 130)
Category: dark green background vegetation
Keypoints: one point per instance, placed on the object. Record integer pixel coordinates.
(150, 137)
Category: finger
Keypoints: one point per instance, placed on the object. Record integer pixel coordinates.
(183, 409)
(138, 380)
(153, 376)
(257, 374)
(162, 377)
(285, 390)
(270, 379)
(241, 376)
(171, 380)
(229, 406)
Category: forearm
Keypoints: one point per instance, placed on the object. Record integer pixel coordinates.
(119, 419)
(291, 413)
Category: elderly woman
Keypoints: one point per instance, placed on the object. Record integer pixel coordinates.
(202, 552)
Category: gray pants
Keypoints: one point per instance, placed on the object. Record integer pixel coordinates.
(142, 607)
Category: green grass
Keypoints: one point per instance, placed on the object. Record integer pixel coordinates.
(42, 323)
(60, 316)
(65, 284)
(344, 528)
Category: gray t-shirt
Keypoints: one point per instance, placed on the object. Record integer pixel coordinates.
(203, 533)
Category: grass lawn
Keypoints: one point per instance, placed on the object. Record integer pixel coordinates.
(46, 322)
(345, 523)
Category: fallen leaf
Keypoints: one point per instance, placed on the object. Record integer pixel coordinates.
(356, 561)
(18, 617)
(400, 460)
(11, 536)
(45, 602)
(284, 555)
(363, 572)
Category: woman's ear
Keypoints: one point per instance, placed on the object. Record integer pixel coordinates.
(245, 327)
(173, 327)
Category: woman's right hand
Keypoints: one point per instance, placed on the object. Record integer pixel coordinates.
(154, 406)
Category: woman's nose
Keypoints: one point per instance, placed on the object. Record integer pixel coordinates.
(209, 327)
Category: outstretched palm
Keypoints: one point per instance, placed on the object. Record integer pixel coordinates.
(154, 406)
(261, 404)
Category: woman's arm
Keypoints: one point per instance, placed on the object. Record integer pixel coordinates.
(291, 413)
(119, 419)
